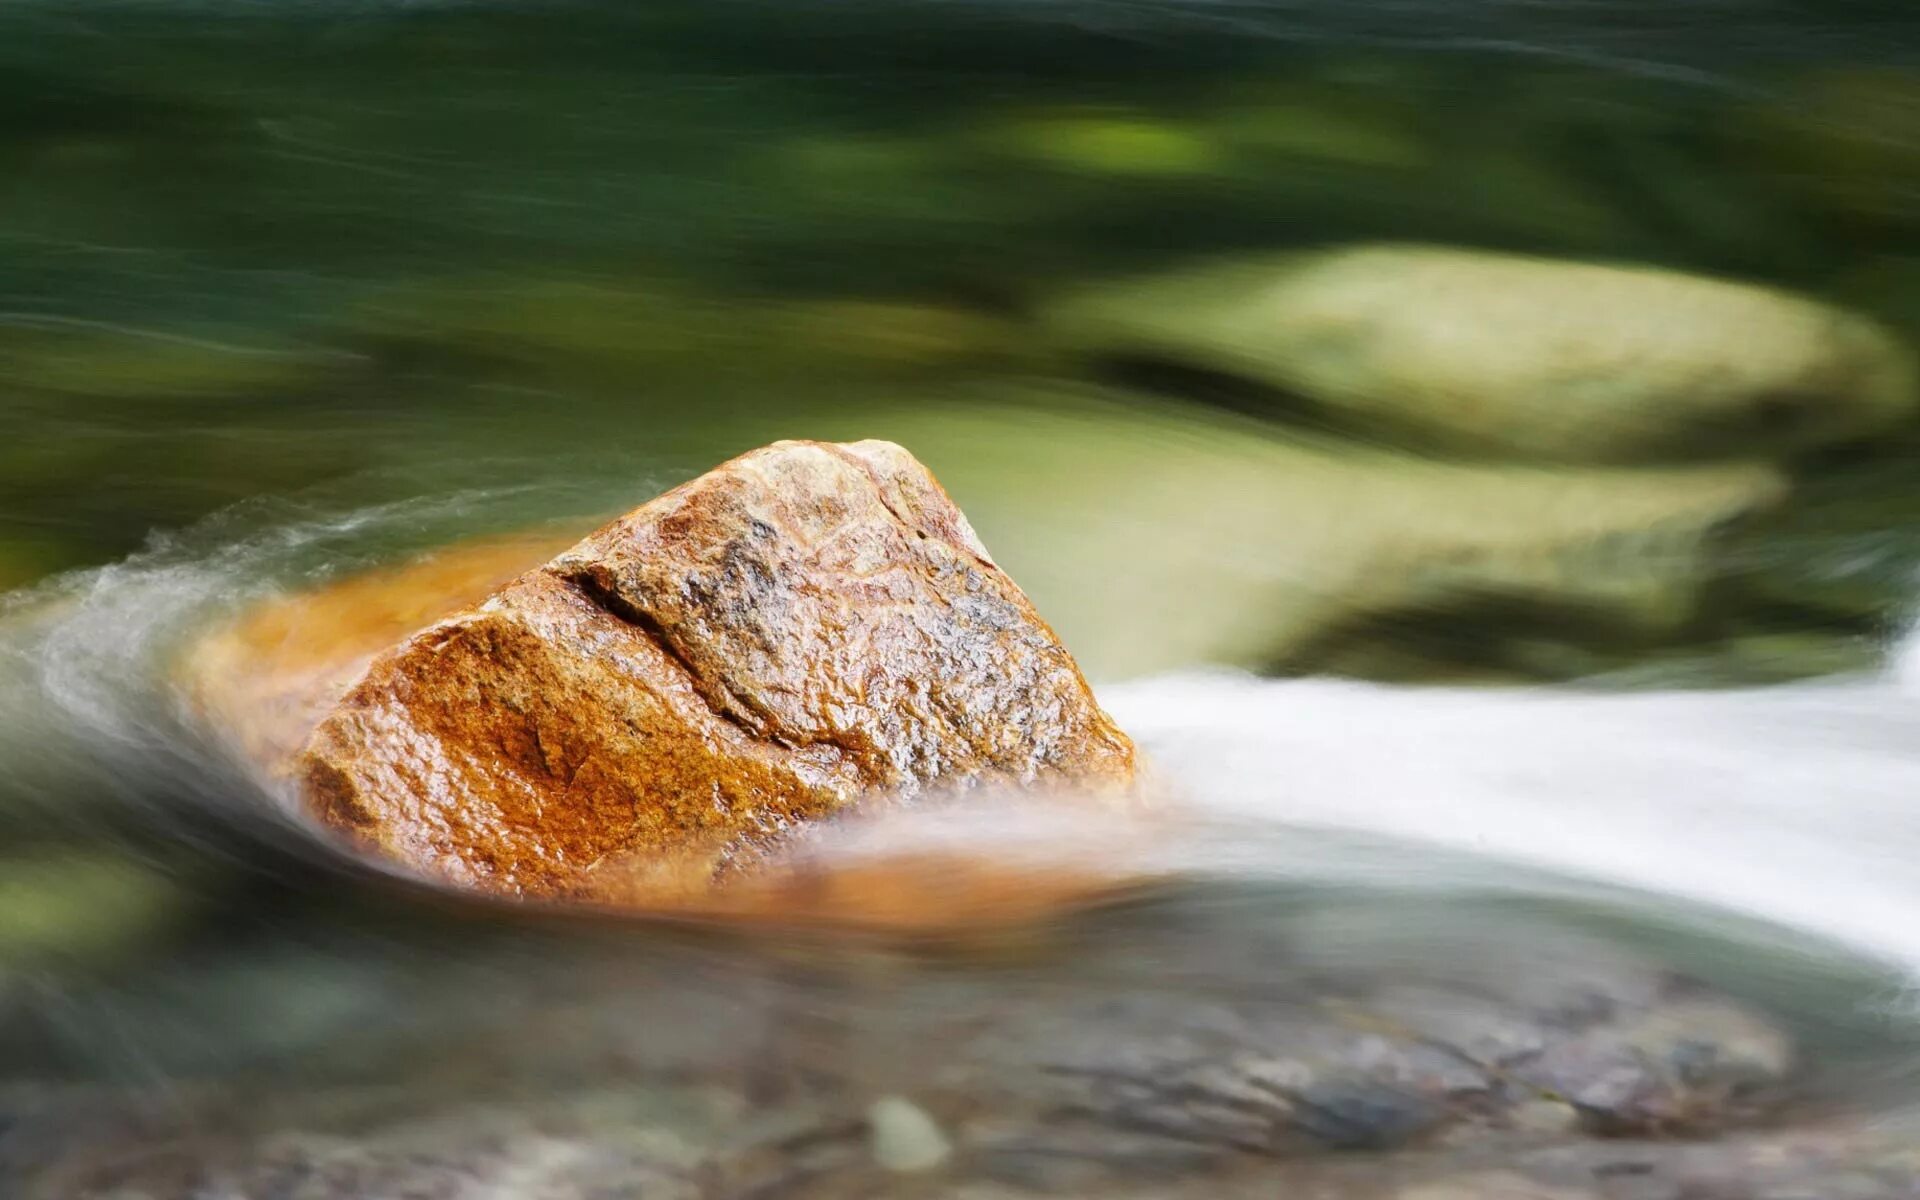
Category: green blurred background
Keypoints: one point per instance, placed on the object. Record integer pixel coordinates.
(369, 251)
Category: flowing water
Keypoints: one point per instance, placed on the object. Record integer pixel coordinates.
(293, 290)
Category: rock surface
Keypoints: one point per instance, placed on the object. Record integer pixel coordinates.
(666, 704)
(1486, 353)
(270, 678)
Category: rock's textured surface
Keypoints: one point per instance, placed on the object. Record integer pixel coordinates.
(268, 679)
(1488, 353)
(666, 702)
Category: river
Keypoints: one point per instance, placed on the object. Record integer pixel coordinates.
(1463, 722)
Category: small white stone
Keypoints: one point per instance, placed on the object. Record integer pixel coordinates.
(904, 1138)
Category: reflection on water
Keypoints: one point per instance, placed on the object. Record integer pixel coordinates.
(1207, 314)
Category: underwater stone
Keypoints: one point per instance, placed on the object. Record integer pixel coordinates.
(1324, 534)
(1467, 351)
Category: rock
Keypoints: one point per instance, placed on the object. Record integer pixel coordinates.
(1485, 353)
(676, 698)
(904, 1138)
(1394, 1067)
(697, 1150)
(1690, 1064)
(268, 679)
(1325, 531)
(1490, 1185)
(1179, 1055)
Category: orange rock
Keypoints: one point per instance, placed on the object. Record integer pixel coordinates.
(650, 717)
(268, 679)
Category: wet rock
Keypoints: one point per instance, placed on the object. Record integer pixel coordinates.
(1687, 1065)
(904, 1138)
(268, 679)
(1181, 1042)
(1497, 354)
(1381, 1068)
(644, 1073)
(667, 703)
(562, 1155)
(1490, 1185)
(567, 1152)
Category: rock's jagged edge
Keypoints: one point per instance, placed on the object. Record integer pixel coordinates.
(653, 717)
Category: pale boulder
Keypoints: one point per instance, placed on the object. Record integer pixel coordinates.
(1515, 356)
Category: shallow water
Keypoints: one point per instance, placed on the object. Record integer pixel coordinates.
(290, 292)
(180, 942)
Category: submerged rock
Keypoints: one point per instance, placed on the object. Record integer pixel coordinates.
(1180, 1078)
(1221, 541)
(1178, 1057)
(1491, 353)
(668, 703)
(905, 1139)
(671, 1146)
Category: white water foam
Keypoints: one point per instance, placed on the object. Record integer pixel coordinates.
(1796, 804)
